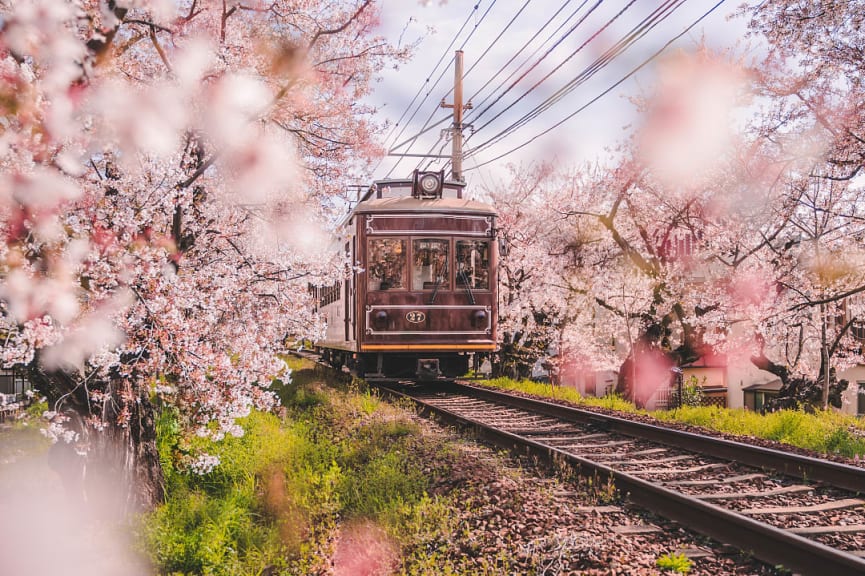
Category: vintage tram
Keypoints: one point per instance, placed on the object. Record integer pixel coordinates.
(422, 298)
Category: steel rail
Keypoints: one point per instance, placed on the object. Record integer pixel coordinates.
(795, 465)
(765, 542)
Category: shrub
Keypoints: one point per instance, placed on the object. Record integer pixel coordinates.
(678, 563)
(692, 393)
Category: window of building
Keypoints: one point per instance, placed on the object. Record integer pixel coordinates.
(386, 263)
(860, 399)
(473, 264)
(13, 383)
(430, 264)
(756, 399)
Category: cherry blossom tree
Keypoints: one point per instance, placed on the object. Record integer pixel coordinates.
(646, 253)
(529, 301)
(814, 121)
(164, 164)
(717, 235)
(573, 272)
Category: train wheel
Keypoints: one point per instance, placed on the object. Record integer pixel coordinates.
(356, 366)
(337, 361)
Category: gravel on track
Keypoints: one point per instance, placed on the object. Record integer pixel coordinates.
(517, 518)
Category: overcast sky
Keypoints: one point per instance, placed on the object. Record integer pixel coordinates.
(584, 136)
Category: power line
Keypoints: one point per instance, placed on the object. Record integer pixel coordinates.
(441, 58)
(420, 90)
(424, 129)
(518, 52)
(485, 52)
(497, 38)
(644, 27)
(562, 63)
(605, 92)
(541, 59)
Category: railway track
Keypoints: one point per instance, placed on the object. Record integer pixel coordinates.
(805, 514)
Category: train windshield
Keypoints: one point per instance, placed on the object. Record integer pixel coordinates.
(386, 264)
(473, 264)
(430, 264)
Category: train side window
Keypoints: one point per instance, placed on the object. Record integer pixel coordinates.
(430, 268)
(386, 264)
(473, 264)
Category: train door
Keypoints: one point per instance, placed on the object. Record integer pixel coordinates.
(349, 313)
(353, 279)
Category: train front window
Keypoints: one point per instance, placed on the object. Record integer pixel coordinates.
(386, 269)
(430, 268)
(473, 264)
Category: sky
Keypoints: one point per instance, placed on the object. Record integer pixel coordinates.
(534, 59)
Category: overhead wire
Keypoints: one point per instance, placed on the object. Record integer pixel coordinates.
(549, 51)
(434, 158)
(520, 51)
(472, 67)
(450, 91)
(420, 90)
(605, 92)
(478, 110)
(433, 71)
(546, 54)
(501, 33)
(429, 118)
(644, 27)
(608, 56)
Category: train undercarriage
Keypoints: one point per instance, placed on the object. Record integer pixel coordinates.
(377, 365)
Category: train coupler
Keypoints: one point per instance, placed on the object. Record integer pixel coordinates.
(428, 369)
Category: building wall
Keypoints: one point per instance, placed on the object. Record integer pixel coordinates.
(741, 375)
(850, 398)
(707, 377)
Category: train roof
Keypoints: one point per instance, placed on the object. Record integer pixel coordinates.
(403, 204)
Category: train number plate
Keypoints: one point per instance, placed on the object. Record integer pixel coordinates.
(415, 317)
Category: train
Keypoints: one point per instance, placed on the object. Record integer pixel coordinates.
(421, 299)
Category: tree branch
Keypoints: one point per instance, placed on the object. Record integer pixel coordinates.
(339, 29)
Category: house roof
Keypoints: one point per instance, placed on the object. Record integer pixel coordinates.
(770, 386)
(709, 360)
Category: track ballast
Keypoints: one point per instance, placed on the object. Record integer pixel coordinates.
(804, 513)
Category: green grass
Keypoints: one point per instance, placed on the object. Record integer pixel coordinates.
(285, 487)
(531, 387)
(827, 432)
(611, 401)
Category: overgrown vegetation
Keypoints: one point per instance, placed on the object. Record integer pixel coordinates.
(283, 490)
(692, 393)
(826, 431)
(21, 436)
(676, 562)
(611, 401)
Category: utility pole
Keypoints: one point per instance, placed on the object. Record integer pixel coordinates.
(457, 129)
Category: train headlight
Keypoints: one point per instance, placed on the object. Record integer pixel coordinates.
(428, 184)
(380, 320)
(479, 318)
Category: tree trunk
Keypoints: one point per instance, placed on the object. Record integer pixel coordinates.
(802, 392)
(824, 357)
(111, 459)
